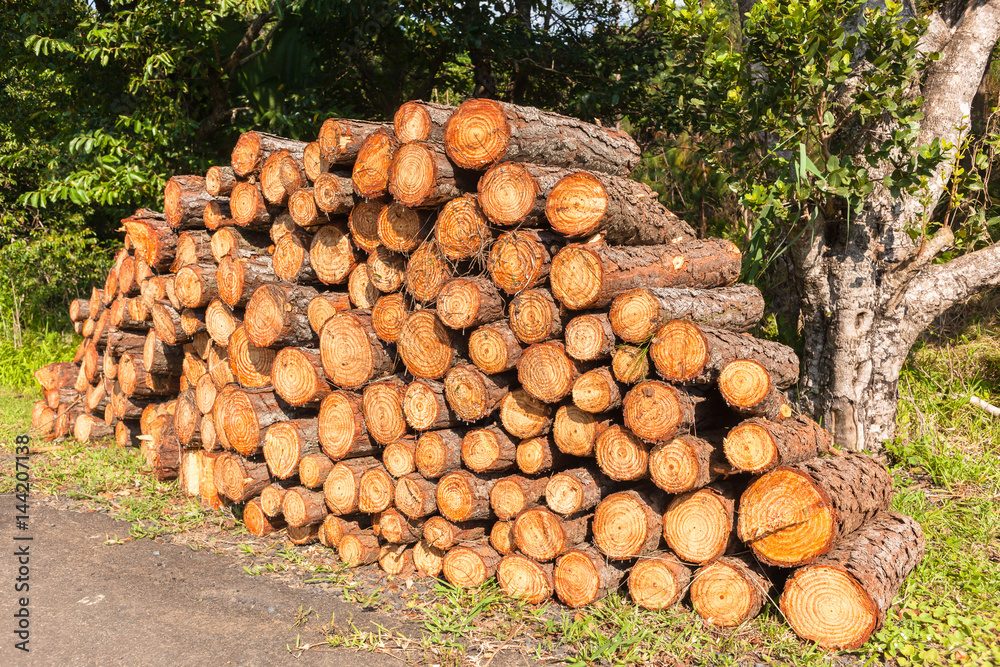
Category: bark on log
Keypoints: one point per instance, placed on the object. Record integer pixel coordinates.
(463, 496)
(637, 314)
(729, 591)
(443, 534)
(420, 175)
(238, 242)
(371, 167)
(591, 275)
(277, 315)
(360, 288)
(546, 372)
(688, 462)
(396, 528)
(298, 377)
(340, 139)
(658, 582)
(160, 358)
(342, 432)
(488, 450)
(576, 490)
(88, 428)
(796, 513)
(747, 387)
(196, 285)
(524, 579)
(193, 247)
(425, 407)
(286, 443)
(79, 310)
(333, 194)
(427, 559)
(494, 348)
(758, 445)
(461, 230)
(582, 576)
(524, 416)
(473, 395)
(257, 522)
(421, 121)
(351, 352)
(218, 215)
(246, 416)
(629, 524)
(56, 376)
(302, 507)
(630, 364)
(135, 381)
(324, 306)
(184, 199)
(220, 180)
(314, 468)
(415, 496)
(482, 132)
(439, 452)
(468, 566)
(576, 432)
(520, 259)
(253, 148)
(313, 161)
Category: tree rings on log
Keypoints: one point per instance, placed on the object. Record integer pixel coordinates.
(658, 582)
(525, 579)
(729, 591)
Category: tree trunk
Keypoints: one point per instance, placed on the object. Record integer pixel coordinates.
(246, 416)
(314, 468)
(421, 175)
(758, 445)
(397, 528)
(237, 242)
(249, 208)
(193, 246)
(421, 121)
(655, 410)
(525, 579)
(515, 194)
(152, 238)
(357, 549)
(184, 200)
(277, 315)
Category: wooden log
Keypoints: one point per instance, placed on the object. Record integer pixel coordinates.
(473, 395)
(461, 229)
(427, 272)
(482, 132)
(251, 365)
(513, 494)
(596, 391)
(282, 226)
(160, 358)
(280, 176)
(219, 367)
(303, 535)
(79, 310)
(56, 376)
(796, 513)
(463, 303)
(246, 416)
(204, 393)
(396, 528)
(127, 285)
(427, 559)
(342, 487)
(249, 208)
(277, 315)
(420, 175)
(386, 270)
(218, 215)
(238, 242)
(152, 238)
(699, 526)
(135, 381)
(591, 275)
(582, 576)
(576, 432)
(546, 372)
(324, 306)
(514, 194)
(314, 468)
(758, 445)
(342, 432)
(524, 579)
(298, 377)
(97, 396)
(219, 180)
(629, 364)
(340, 139)
(196, 285)
(187, 419)
(468, 566)
(313, 161)
(687, 462)
(184, 199)
(301, 506)
(629, 524)
(839, 600)
(376, 490)
(193, 247)
(238, 278)
(253, 148)
(729, 591)
(658, 581)
(494, 348)
(589, 337)
(520, 259)
(488, 450)
(426, 346)
(655, 410)
(382, 406)
(621, 455)
(335, 528)
(535, 316)
(443, 534)
(127, 433)
(272, 496)
(463, 496)
(352, 354)
(421, 121)
(576, 490)
(415, 496)
(747, 387)
(502, 537)
(88, 428)
(285, 445)
(257, 522)
(363, 223)
(55, 397)
(167, 450)
(388, 315)
(206, 432)
(371, 167)
(356, 549)
(425, 407)
(439, 452)
(331, 255)
(362, 291)
(398, 457)
(333, 194)
(524, 416)
(396, 559)
(97, 295)
(538, 455)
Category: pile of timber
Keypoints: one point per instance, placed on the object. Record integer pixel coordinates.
(465, 343)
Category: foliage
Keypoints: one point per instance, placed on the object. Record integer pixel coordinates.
(18, 362)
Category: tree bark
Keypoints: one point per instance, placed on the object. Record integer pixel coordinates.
(340, 139)
(421, 176)
(253, 148)
(638, 313)
(688, 462)
(277, 315)
(758, 445)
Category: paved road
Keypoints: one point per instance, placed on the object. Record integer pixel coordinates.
(144, 603)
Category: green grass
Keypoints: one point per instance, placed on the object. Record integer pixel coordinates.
(38, 349)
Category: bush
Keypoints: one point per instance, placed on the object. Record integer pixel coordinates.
(38, 349)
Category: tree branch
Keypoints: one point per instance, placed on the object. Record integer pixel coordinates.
(940, 286)
(253, 31)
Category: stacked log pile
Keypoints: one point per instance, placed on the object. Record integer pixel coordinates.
(465, 343)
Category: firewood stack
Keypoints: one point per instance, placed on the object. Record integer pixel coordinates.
(466, 343)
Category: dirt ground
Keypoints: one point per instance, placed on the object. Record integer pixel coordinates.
(145, 602)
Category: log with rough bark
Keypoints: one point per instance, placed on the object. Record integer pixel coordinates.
(439, 452)
(169, 325)
(463, 303)
(520, 259)
(427, 272)
(684, 352)
(796, 513)
(243, 479)
(184, 200)
(591, 275)
(127, 433)
(629, 524)
(314, 468)
(291, 261)
(324, 306)
(298, 377)
(524, 416)
(193, 247)
(589, 337)
(356, 549)
(398, 457)
(535, 316)
(494, 348)
(160, 358)
(249, 208)
(426, 346)
(135, 381)
(371, 167)
(351, 352)
(196, 286)
(421, 175)
(277, 315)
(331, 255)
(342, 487)
(546, 372)
(388, 315)
(538, 455)
(758, 445)
(253, 148)
(687, 462)
(636, 314)
(468, 566)
(127, 285)
(272, 495)
(747, 387)
(525, 579)
(360, 288)
(472, 394)
(238, 278)
(219, 180)
(461, 229)
(246, 416)
(443, 534)
(542, 535)
(79, 310)
(658, 581)
(488, 449)
(152, 239)
(301, 507)
(238, 242)
(655, 410)
(415, 496)
(582, 576)
(622, 210)
(699, 525)
(426, 408)
(363, 223)
(257, 522)
(482, 132)
(56, 376)
(285, 445)
(396, 528)
(342, 433)
(340, 139)
(596, 390)
(621, 455)
(333, 194)
(421, 121)
(250, 365)
(88, 428)
(729, 591)
(382, 407)
(335, 527)
(464, 496)
(511, 193)
(839, 600)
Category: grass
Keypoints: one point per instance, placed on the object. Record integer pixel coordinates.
(18, 363)
(945, 460)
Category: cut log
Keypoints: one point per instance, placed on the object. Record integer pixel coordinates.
(245, 479)
(426, 346)
(843, 597)
(219, 180)
(729, 591)
(425, 406)
(351, 352)
(196, 285)
(153, 240)
(363, 223)
(135, 381)
(513, 494)
(333, 194)
(388, 315)
(461, 230)
(589, 337)
(655, 410)
(468, 302)
(301, 507)
(535, 316)
(371, 167)
(439, 452)
(257, 522)
(514, 194)
(246, 416)
(421, 175)
(88, 428)
(238, 242)
(324, 306)
(96, 399)
(127, 285)
(286, 443)
(796, 513)
(218, 215)
(204, 393)
(473, 395)
(427, 559)
(313, 161)
(331, 254)
(519, 260)
(56, 376)
(342, 433)
(340, 139)
(253, 148)
(415, 496)
(494, 348)
(396, 528)
(468, 566)
(342, 487)
(160, 358)
(576, 432)
(658, 582)
(621, 455)
(335, 527)
(375, 491)
(538, 455)
(524, 416)
(747, 387)
(502, 537)
(629, 364)
(488, 450)
(577, 490)
(291, 259)
(386, 270)
(758, 445)
(443, 534)
(629, 524)
(187, 419)
(427, 272)
(206, 432)
(193, 247)
(127, 433)
(249, 208)
(79, 310)
(314, 468)
(401, 229)
(283, 225)
(298, 377)
(463, 496)
(596, 391)
(421, 121)
(382, 406)
(482, 132)
(272, 496)
(184, 199)
(238, 278)
(398, 457)
(546, 372)
(360, 288)
(356, 549)
(687, 462)
(396, 559)
(219, 367)
(699, 526)
(251, 365)
(524, 579)
(277, 315)
(582, 576)
(591, 275)
(304, 535)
